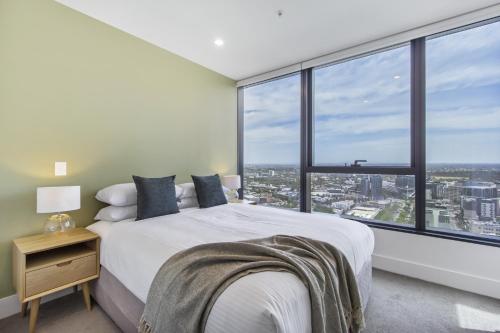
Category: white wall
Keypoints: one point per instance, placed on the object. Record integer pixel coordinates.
(466, 266)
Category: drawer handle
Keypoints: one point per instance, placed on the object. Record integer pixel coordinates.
(64, 263)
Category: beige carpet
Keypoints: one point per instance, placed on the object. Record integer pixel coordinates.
(397, 304)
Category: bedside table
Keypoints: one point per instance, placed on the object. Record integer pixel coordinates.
(46, 263)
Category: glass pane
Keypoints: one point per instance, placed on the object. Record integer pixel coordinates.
(272, 142)
(386, 198)
(362, 110)
(463, 131)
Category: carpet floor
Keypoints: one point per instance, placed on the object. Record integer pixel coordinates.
(397, 304)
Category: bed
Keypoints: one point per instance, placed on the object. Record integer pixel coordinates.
(132, 252)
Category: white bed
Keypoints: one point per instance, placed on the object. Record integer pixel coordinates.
(263, 302)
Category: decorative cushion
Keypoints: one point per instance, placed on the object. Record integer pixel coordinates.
(209, 191)
(155, 197)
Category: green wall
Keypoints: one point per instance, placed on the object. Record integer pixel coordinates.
(111, 105)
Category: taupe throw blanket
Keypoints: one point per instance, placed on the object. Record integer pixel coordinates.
(188, 284)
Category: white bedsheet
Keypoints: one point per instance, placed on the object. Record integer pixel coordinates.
(263, 302)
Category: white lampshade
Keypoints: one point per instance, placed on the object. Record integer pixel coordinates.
(232, 182)
(57, 199)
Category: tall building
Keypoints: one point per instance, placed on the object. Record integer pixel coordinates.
(487, 209)
(364, 186)
(376, 187)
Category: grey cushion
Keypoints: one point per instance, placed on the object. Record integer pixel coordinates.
(155, 197)
(209, 191)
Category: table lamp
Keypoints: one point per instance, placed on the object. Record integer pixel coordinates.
(58, 199)
(233, 183)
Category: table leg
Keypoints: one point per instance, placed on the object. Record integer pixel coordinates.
(35, 304)
(24, 309)
(86, 295)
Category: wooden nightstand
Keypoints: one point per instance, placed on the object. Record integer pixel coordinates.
(46, 263)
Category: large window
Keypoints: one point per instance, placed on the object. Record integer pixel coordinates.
(405, 138)
(271, 118)
(463, 131)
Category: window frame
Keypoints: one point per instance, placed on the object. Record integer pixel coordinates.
(417, 166)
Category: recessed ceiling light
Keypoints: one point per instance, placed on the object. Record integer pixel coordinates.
(395, 77)
(365, 101)
(218, 42)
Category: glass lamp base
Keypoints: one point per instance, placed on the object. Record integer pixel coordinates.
(59, 222)
(232, 196)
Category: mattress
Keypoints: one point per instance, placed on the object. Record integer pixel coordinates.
(133, 252)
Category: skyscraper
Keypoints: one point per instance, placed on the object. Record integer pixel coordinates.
(376, 187)
(364, 186)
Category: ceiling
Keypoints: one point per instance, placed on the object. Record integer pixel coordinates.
(256, 39)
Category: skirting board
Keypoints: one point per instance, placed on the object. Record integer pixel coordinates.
(9, 305)
(463, 281)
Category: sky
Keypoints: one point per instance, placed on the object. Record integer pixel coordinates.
(362, 107)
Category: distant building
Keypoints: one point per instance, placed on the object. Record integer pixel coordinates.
(437, 189)
(488, 209)
(453, 193)
(485, 190)
(428, 194)
(444, 217)
(486, 228)
(469, 207)
(482, 198)
(364, 186)
(429, 217)
(376, 187)
(405, 181)
(343, 205)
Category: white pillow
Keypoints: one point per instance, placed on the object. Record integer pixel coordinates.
(189, 191)
(115, 213)
(188, 203)
(124, 194)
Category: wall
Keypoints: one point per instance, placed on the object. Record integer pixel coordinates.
(111, 105)
(461, 265)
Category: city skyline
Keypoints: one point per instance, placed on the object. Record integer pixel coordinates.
(459, 197)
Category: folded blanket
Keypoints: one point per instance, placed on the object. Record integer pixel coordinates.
(188, 284)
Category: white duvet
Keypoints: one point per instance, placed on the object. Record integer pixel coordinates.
(263, 302)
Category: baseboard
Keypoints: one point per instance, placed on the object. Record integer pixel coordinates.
(10, 305)
(459, 280)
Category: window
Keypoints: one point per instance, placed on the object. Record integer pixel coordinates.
(463, 131)
(362, 110)
(271, 118)
(348, 138)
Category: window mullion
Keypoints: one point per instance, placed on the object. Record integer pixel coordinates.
(418, 127)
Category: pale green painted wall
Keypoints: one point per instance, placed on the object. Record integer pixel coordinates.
(111, 105)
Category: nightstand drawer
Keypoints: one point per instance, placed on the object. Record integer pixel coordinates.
(47, 278)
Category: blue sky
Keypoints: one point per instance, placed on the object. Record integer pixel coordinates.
(362, 107)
